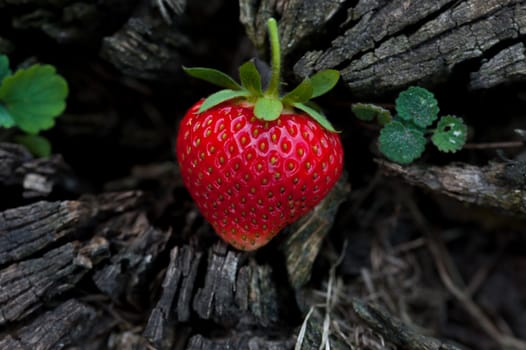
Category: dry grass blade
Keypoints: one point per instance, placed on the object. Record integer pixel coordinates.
(303, 329)
(443, 265)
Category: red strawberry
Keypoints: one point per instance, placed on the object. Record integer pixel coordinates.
(254, 162)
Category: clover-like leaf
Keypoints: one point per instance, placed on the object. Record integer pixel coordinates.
(323, 81)
(4, 67)
(220, 97)
(268, 108)
(213, 76)
(369, 112)
(417, 105)
(400, 143)
(34, 97)
(250, 78)
(36, 144)
(450, 134)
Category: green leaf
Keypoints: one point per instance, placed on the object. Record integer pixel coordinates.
(418, 105)
(324, 81)
(6, 120)
(34, 97)
(369, 112)
(220, 97)
(301, 93)
(213, 76)
(317, 116)
(4, 67)
(36, 144)
(450, 134)
(400, 143)
(250, 78)
(268, 109)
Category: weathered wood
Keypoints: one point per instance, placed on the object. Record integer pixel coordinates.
(234, 293)
(486, 186)
(396, 331)
(29, 229)
(153, 45)
(174, 304)
(37, 176)
(237, 293)
(146, 46)
(507, 66)
(136, 246)
(306, 235)
(66, 22)
(382, 46)
(25, 286)
(65, 325)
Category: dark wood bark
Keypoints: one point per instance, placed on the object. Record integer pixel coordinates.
(68, 323)
(382, 46)
(496, 185)
(38, 177)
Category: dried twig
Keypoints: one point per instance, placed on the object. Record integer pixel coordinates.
(465, 300)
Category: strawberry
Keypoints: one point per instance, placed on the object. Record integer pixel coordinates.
(256, 161)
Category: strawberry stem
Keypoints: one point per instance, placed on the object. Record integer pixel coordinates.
(273, 86)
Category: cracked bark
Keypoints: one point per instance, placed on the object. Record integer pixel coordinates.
(37, 176)
(495, 185)
(383, 46)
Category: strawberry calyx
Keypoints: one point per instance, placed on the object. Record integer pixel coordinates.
(268, 104)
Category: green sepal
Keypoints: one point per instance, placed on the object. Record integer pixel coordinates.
(323, 81)
(4, 67)
(400, 143)
(213, 76)
(220, 97)
(369, 112)
(450, 134)
(36, 144)
(301, 93)
(6, 120)
(34, 97)
(268, 108)
(317, 116)
(250, 78)
(417, 105)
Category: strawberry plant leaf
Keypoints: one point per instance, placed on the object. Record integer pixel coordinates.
(268, 108)
(400, 143)
(4, 67)
(213, 76)
(34, 97)
(369, 112)
(36, 144)
(220, 97)
(301, 93)
(250, 78)
(450, 134)
(323, 81)
(417, 105)
(314, 114)
(6, 120)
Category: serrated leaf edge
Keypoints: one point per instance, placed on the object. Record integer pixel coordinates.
(418, 154)
(437, 131)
